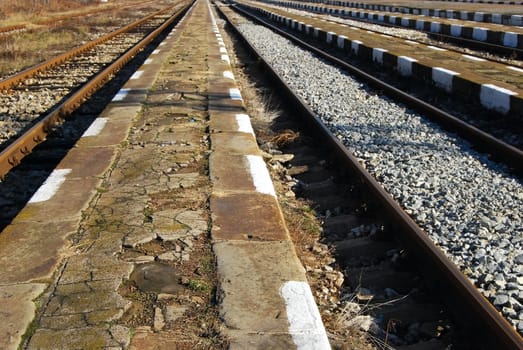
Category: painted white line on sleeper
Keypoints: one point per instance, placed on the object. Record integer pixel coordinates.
(260, 176)
(305, 325)
(495, 97)
(516, 69)
(120, 95)
(226, 58)
(148, 61)
(161, 44)
(244, 124)
(95, 128)
(228, 74)
(223, 50)
(155, 52)
(235, 94)
(50, 186)
(473, 58)
(137, 75)
(436, 48)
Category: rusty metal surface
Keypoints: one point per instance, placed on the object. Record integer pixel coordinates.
(23, 146)
(496, 330)
(11, 28)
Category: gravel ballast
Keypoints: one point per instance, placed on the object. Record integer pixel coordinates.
(471, 207)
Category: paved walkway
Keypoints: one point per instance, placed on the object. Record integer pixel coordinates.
(130, 204)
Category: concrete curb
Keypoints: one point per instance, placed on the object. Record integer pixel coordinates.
(497, 37)
(265, 300)
(486, 17)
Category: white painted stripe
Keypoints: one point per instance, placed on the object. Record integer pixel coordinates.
(329, 37)
(510, 39)
(162, 44)
(148, 61)
(473, 58)
(95, 128)
(495, 97)
(516, 69)
(50, 186)
(221, 44)
(260, 175)
(479, 33)
(244, 123)
(436, 48)
(377, 54)
(405, 65)
(223, 50)
(235, 94)
(137, 75)
(228, 74)
(226, 58)
(455, 29)
(355, 45)
(443, 77)
(120, 95)
(305, 324)
(156, 52)
(341, 41)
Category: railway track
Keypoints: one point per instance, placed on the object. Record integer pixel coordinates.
(432, 240)
(37, 99)
(505, 47)
(418, 69)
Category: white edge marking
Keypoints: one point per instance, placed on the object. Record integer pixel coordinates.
(473, 58)
(260, 175)
(235, 94)
(228, 74)
(155, 52)
(436, 48)
(148, 61)
(96, 127)
(137, 75)
(244, 123)
(305, 325)
(120, 95)
(50, 186)
(516, 69)
(226, 58)
(223, 50)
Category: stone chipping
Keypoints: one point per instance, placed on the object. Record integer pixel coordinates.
(470, 206)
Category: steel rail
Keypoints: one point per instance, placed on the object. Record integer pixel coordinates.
(494, 330)
(12, 28)
(9, 82)
(21, 147)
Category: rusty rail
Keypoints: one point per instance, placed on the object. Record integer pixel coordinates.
(11, 28)
(21, 147)
(493, 330)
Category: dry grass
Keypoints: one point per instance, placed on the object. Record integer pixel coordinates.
(24, 49)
